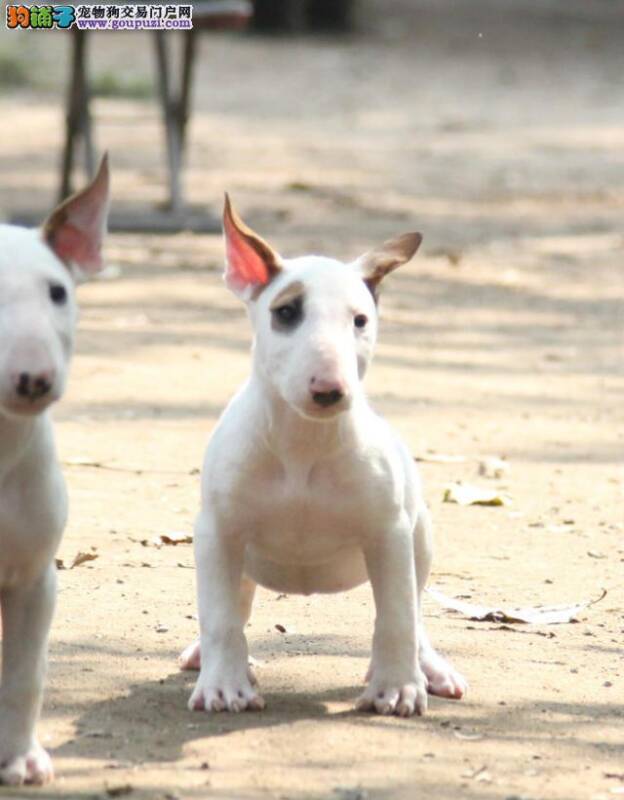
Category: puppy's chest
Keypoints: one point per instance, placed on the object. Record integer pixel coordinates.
(31, 523)
(306, 515)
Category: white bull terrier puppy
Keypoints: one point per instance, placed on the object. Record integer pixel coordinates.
(38, 269)
(305, 489)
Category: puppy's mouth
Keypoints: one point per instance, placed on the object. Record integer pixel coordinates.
(26, 407)
(322, 413)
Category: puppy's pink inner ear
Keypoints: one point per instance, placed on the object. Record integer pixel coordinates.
(245, 266)
(250, 261)
(75, 229)
(71, 244)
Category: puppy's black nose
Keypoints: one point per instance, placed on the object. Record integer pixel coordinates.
(32, 386)
(327, 398)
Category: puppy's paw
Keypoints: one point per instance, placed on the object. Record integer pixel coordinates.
(394, 697)
(443, 679)
(32, 766)
(190, 657)
(225, 694)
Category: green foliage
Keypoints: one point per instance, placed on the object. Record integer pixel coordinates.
(110, 84)
(15, 70)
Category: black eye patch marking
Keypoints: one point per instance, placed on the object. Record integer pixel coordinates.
(58, 294)
(288, 316)
(287, 308)
(360, 320)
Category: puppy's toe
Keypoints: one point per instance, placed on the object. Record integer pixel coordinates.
(256, 703)
(243, 699)
(404, 700)
(364, 702)
(13, 772)
(386, 701)
(39, 768)
(451, 686)
(443, 679)
(413, 700)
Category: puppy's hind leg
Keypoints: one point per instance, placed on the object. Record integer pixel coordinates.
(190, 658)
(442, 678)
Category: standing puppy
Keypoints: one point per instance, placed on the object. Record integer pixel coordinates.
(305, 489)
(37, 321)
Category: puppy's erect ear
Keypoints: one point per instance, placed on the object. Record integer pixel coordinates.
(76, 228)
(376, 264)
(250, 262)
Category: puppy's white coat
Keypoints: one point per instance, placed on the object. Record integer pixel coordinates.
(37, 321)
(304, 488)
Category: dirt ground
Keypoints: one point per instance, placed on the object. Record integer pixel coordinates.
(499, 133)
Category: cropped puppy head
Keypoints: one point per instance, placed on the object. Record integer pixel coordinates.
(314, 318)
(38, 273)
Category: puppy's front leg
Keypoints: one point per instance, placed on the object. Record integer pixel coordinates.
(223, 683)
(26, 617)
(396, 682)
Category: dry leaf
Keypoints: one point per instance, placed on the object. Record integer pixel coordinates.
(176, 537)
(60, 564)
(467, 495)
(82, 461)
(537, 615)
(468, 737)
(284, 628)
(505, 627)
(119, 791)
(82, 558)
(474, 773)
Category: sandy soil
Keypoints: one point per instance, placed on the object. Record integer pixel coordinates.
(501, 137)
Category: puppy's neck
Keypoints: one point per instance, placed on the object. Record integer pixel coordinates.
(294, 439)
(16, 436)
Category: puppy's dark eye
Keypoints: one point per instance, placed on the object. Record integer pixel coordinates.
(58, 294)
(360, 320)
(290, 314)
